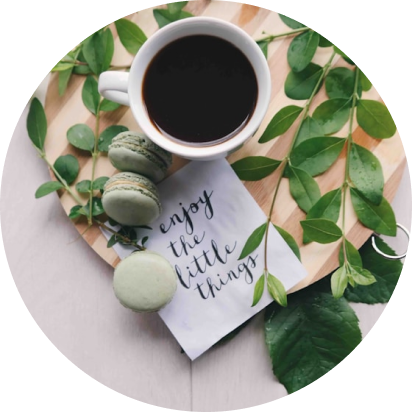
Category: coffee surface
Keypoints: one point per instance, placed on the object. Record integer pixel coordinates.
(200, 89)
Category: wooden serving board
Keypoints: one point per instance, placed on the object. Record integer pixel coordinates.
(65, 111)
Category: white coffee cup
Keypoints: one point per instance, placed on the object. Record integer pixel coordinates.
(126, 88)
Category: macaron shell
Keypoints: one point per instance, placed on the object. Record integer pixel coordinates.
(144, 282)
(131, 206)
(137, 161)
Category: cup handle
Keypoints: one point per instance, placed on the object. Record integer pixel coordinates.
(113, 86)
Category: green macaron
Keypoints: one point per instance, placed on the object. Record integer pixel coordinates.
(144, 282)
(135, 152)
(131, 199)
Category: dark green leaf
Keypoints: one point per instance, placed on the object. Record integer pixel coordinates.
(289, 239)
(47, 188)
(76, 211)
(99, 183)
(385, 271)
(309, 128)
(81, 136)
(37, 123)
(144, 240)
(321, 230)
(277, 290)
(374, 118)
(112, 241)
(300, 86)
(364, 81)
(323, 42)
(380, 218)
(352, 255)
(67, 167)
(253, 242)
(106, 137)
(303, 188)
(98, 51)
(339, 282)
(258, 291)
(345, 57)
(366, 173)
(317, 155)
(302, 49)
(332, 114)
(64, 78)
(280, 122)
(130, 35)
(164, 17)
(97, 207)
(361, 276)
(255, 167)
(293, 24)
(108, 105)
(85, 186)
(309, 337)
(264, 45)
(340, 83)
(90, 94)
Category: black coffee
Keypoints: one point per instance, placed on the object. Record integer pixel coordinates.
(199, 89)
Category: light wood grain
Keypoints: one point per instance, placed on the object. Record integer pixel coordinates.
(319, 260)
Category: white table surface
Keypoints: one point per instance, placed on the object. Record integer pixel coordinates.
(68, 290)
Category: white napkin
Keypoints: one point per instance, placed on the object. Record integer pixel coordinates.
(207, 217)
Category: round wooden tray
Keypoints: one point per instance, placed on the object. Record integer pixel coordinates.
(319, 260)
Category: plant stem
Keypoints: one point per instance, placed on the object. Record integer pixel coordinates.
(286, 159)
(349, 140)
(288, 33)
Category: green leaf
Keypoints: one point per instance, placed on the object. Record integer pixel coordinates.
(340, 83)
(76, 211)
(317, 155)
(321, 230)
(144, 240)
(352, 255)
(254, 168)
(364, 81)
(344, 56)
(280, 122)
(339, 282)
(309, 337)
(253, 242)
(99, 183)
(90, 94)
(81, 136)
(309, 128)
(380, 218)
(130, 35)
(97, 207)
(258, 291)
(47, 188)
(112, 241)
(302, 49)
(366, 173)
(264, 45)
(67, 167)
(289, 239)
(37, 123)
(361, 276)
(63, 81)
(108, 105)
(62, 66)
(385, 271)
(106, 137)
(164, 17)
(84, 68)
(332, 114)
(98, 51)
(176, 7)
(277, 290)
(300, 86)
(323, 42)
(303, 188)
(293, 24)
(85, 186)
(374, 118)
